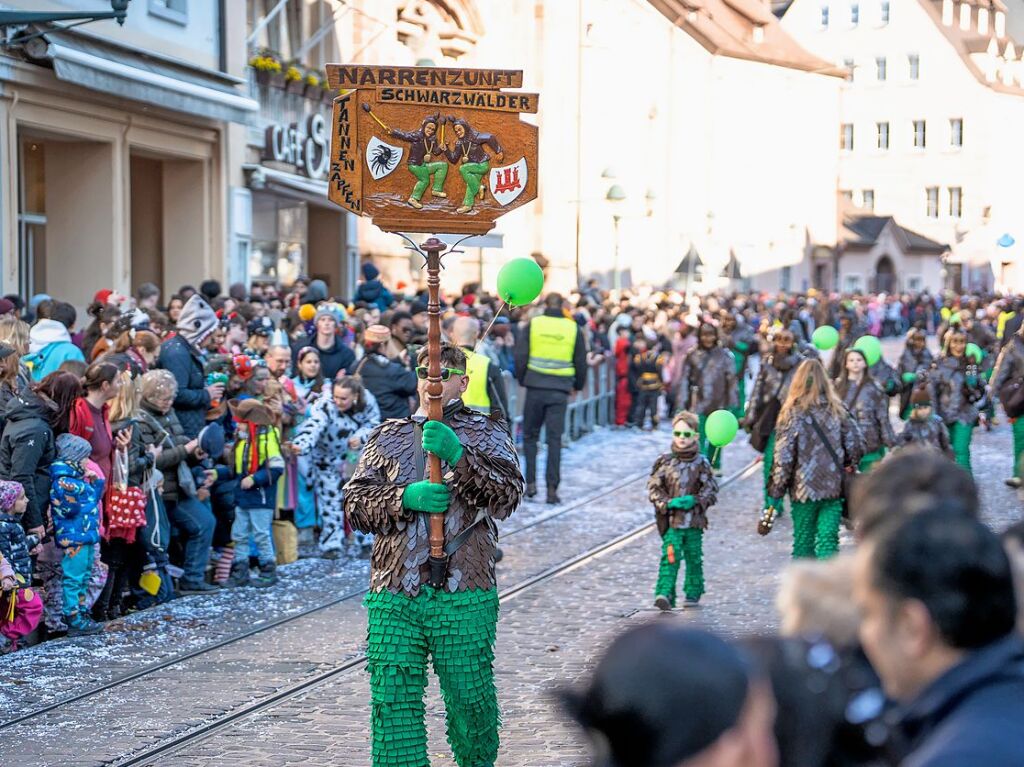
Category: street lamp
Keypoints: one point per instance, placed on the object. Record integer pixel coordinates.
(616, 194)
(118, 12)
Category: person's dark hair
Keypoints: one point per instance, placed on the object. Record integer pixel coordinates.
(64, 313)
(451, 356)
(843, 384)
(553, 301)
(44, 309)
(397, 317)
(355, 385)
(210, 289)
(18, 301)
(185, 292)
(911, 480)
(955, 566)
(62, 388)
(77, 368)
(146, 290)
(660, 694)
(97, 374)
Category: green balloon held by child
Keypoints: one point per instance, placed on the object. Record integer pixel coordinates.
(871, 347)
(720, 428)
(824, 338)
(520, 281)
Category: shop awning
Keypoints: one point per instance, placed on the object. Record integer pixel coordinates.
(261, 177)
(133, 75)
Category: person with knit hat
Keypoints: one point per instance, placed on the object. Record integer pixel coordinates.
(14, 544)
(182, 356)
(335, 356)
(925, 427)
(371, 290)
(389, 382)
(75, 496)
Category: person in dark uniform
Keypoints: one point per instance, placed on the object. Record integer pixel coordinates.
(551, 362)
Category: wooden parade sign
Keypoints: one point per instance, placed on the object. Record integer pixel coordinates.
(425, 149)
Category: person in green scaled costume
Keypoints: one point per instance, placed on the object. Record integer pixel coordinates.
(426, 158)
(804, 464)
(739, 338)
(470, 155)
(1010, 367)
(408, 620)
(682, 488)
(868, 404)
(956, 388)
(708, 383)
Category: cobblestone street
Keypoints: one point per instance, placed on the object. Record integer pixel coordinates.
(549, 633)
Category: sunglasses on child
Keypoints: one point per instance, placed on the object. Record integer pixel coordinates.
(446, 373)
(684, 434)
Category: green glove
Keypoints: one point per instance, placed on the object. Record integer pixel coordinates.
(684, 502)
(741, 346)
(426, 496)
(775, 503)
(909, 378)
(890, 386)
(972, 380)
(439, 439)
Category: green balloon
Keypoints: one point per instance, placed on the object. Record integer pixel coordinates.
(826, 337)
(520, 281)
(973, 350)
(721, 427)
(871, 347)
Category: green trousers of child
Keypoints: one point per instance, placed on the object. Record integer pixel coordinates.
(713, 454)
(1018, 445)
(816, 528)
(457, 632)
(687, 546)
(767, 463)
(870, 460)
(960, 437)
(741, 390)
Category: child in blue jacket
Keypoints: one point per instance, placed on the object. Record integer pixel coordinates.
(258, 464)
(75, 496)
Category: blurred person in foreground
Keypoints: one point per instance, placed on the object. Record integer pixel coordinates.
(667, 696)
(936, 592)
(1013, 542)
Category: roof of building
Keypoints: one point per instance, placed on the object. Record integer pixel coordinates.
(864, 231)
(743, 29)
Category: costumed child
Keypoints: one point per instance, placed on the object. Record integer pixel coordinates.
(924, 427)
(75, 494)
(646, 368)
(867, 403)
(682, 488)
(258, 464)
(956, 389)
(914, 363)
(708, 384)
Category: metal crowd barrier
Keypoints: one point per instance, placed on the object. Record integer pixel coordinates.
(593, 407)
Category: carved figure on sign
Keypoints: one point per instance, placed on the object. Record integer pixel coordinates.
(470, 155)
(426, 157)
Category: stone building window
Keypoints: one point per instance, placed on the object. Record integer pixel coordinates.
(914, 66)
(846, 137)
(956, 132)
(956, 202)
(919, 134)
(883, 135)
(932, 201)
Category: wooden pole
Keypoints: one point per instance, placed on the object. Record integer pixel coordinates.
(432, 250)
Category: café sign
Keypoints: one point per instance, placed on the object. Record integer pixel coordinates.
(304, 146)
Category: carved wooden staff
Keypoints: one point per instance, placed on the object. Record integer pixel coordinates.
(432, 253)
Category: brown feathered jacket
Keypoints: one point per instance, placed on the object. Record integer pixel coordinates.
(487, 477)
(673, 477)
(708, 381)
(871, 409)
(803, 466)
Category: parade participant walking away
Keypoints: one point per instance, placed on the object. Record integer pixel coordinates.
(816, 442)
(708, 384)
(915, 361)
(257, 465)
(75, 496)
(646, 368)
(924, 427)
(486, 392)
(869, 406)
(682, 488)
(391, 383)
(1009, 369)
(551, 362)
(956, 388)
(738, 338)
(409, 619)
(331, 437)
(182, 356)
(766, 397)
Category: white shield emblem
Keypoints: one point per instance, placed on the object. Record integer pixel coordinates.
(508, 182)
(381, 157)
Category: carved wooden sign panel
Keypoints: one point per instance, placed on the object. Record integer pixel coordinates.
(425, 149)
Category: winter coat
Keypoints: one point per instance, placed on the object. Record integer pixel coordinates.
(534, 379)
(390, 383)
(929, 432)
(913, 362)
(192, 400)
(74, 505)
(972, 714)
(673, 477)
(373, 292)
(871, 410)
(14, 547)
(953, 396)
(1010, 364)
(50, 346)
(645, 371)
(708, 381)
(742, 343)
(332, 360)
(26, 452)
(165, 430)
(884, 375)
(325, 433)
(266, 440)
(772, 382)
(803, 466)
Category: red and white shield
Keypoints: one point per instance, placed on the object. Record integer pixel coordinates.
(508, 182)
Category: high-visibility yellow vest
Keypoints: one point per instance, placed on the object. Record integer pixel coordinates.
(476, 397)
(1004, 317)
(552, 343)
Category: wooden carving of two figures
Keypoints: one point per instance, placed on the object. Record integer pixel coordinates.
(429, 157)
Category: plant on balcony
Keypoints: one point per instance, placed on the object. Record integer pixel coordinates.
(312, 86)
(266, 67)
(293, 81)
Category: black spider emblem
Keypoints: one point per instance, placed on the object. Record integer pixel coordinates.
(383, 160)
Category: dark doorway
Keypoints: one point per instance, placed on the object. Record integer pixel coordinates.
(885, 276)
